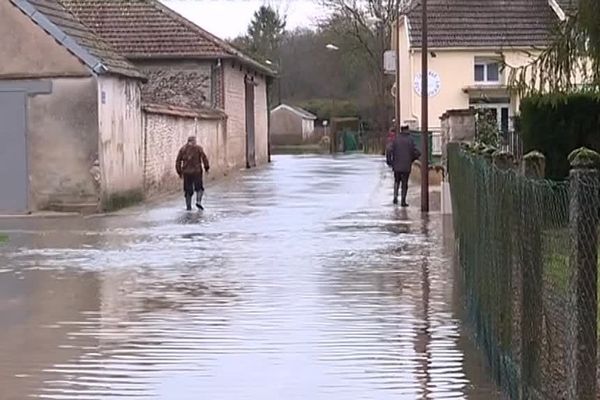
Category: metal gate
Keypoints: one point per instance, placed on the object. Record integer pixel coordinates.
(14, 187)
(250, 124)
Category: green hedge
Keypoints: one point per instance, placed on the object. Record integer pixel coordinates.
(557, 124)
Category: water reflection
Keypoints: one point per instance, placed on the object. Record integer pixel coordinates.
(300, 281)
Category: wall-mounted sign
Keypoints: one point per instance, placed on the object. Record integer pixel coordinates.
(434, 84)
(389, 62)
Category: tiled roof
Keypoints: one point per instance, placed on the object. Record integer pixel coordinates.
(78, 36)
(148, 29)
(483, 23)
(180, 111)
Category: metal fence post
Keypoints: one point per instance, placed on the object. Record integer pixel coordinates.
(530, 276)
(584, 209)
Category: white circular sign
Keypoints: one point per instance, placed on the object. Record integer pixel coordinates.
(433, 84)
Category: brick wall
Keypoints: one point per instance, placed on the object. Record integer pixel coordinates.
(166, 130)
(218, 86)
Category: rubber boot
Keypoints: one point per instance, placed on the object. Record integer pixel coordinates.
(188, 202)
(403, 195)
(199, 195)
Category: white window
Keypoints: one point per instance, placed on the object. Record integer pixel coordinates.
(487, 71)
(501, 114)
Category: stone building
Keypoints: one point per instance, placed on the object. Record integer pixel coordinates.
(189, 69)
(68, 102)
(92, 91)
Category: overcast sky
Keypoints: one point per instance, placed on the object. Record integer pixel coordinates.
(229, 18)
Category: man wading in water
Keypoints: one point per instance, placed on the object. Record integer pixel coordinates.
(190, 160)
(400, 155)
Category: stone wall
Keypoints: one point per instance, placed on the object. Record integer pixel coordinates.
(178, 83)
(457, 126)
(166, 129)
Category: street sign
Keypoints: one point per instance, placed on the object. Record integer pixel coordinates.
(389, 62)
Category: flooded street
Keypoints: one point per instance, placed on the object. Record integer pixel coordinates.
(299, 281)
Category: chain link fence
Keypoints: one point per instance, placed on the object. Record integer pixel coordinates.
(528, 257)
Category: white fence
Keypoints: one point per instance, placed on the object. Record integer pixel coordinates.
(436, 143)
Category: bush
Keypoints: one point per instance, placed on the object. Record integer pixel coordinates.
(557, 124)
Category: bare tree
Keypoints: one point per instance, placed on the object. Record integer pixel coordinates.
(364, 28)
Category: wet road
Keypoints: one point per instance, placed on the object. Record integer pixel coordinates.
(300, 281)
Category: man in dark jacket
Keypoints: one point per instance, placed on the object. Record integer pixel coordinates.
(190, 160)
(401, 153)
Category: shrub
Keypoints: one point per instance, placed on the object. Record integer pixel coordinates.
(557, 124)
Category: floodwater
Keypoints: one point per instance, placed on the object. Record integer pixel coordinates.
(299, 281)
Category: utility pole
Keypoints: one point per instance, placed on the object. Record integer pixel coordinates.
(424, 112)
(397, 29)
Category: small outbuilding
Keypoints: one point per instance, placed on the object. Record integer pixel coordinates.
(291, 125)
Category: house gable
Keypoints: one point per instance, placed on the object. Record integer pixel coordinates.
(75, 37)
(29, 52)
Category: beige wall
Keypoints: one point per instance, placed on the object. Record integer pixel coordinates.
(121, 139)
(286, 127)
(235, 107)
(456, 71)
(289, 128)
(27, 51)
(63, 143)
(261, 111)
(164, 136)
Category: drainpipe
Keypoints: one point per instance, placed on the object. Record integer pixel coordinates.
(412, 71)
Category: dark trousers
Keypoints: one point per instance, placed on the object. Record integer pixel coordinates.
(401, 179)
(192, 183)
